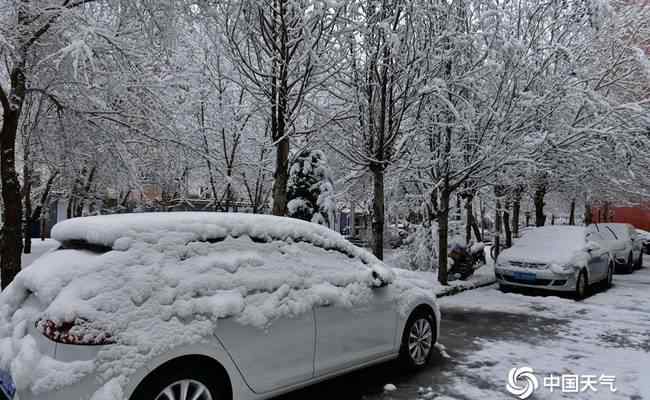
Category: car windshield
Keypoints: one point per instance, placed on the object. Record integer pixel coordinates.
(553, 237)
(620, 231)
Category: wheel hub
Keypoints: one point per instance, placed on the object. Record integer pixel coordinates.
(186, 389)
(420, 341)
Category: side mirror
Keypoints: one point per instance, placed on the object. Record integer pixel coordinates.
(378, 281)
(382, 276)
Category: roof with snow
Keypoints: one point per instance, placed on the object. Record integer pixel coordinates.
(119, 230)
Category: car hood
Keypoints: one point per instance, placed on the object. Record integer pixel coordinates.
(542, 255)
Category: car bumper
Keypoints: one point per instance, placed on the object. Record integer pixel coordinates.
(544, 279)
(81, 390)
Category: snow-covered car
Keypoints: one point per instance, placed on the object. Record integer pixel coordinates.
(644, 236)
(558, 258)
(203, 306)
(623, 243)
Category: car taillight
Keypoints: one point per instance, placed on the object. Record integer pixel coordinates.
(78, 332)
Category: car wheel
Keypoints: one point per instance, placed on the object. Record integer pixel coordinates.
(639, 261)
(610, 275)
(418, 340)
(582, 286)
(176, 382)
(504, 288)
(630, 263)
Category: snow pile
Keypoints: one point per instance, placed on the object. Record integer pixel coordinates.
(171, 277)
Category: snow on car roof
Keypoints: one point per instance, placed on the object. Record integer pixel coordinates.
(120, 230)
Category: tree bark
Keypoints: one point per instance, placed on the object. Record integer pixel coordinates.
(472, 224)
(588, 213)
(516, 211)
(27, 196)
(540, 218)
(572, 212)
(281, 178)
(378, 212)
(443, 235)
(11, 245)
(506, 225)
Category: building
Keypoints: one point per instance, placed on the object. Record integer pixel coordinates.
(638, 216)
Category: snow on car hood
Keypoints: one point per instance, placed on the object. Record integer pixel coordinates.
(172, 278)
(553, 245)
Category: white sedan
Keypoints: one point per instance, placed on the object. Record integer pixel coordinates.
(557, 258)
(203, 306)
(623, 242)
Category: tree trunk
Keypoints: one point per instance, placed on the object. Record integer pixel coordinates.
(540, 218)
(281, 178)
(506, 225)
(572, 212)
(378, 212)
(472, 224)
(588, 213)
(11, 245)
(27, 192)
(470, 217)
(443, 233)
(516, 209)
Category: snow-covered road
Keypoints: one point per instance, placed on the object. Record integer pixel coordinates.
(486, 333)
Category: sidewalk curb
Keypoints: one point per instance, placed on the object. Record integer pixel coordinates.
(452, 290)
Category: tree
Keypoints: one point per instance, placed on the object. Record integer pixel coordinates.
(280, 50)
(311, 189)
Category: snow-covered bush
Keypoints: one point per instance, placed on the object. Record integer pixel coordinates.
(311, 189)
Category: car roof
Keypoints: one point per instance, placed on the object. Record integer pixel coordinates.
(119, 230)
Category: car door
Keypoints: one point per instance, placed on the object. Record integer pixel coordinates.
(348, 337)
(619, 245)
(637, 243)
(599, 257)
(280, 355)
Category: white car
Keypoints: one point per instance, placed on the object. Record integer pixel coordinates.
(203, 306)
(557, 258)
(624, 243)
(644, 236)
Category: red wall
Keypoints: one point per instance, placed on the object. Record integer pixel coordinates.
(637, 216)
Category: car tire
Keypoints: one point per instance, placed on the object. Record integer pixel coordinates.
(505, 288)
(582, 286)
(177, 375)
(609, 280)
(630, 263)
(418, 340)
(639, 261)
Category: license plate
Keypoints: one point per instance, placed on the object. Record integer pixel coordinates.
(525, 276)
(7, 386)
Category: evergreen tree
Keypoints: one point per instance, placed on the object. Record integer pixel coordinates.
(311, 189)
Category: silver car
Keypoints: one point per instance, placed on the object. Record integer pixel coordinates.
(557, 258)
(624, 243)
(203, 306)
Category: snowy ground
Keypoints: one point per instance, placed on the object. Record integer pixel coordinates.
(486, 333)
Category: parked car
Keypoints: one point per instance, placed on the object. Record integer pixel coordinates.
(202, 306)
(645, 240)
(624, 244)
(557, 258)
